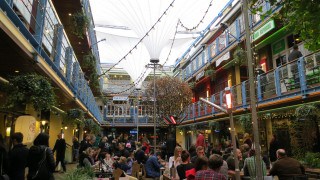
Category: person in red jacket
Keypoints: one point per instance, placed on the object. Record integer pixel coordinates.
(200, 140)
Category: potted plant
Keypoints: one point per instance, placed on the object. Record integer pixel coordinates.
(80, 174)
(210, 73)
(79, 24)
(31, 89)
(73, 117)
(239, 56)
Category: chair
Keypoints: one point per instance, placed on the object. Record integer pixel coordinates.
(135, 170)
(117, 173)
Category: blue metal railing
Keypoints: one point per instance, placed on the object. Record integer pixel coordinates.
(39, 23)
(297, 78)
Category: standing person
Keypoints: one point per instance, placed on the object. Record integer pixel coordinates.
(3, 157)
(200, 153)
(295, 54)
(17, 157)
(247, 139)
(274, 146)
(170, 145)
(75, 149)
(185, 167)
(60, 147)
(200, 140)
(104, 147)
(285, 167)
(153, 166)
(40, 159)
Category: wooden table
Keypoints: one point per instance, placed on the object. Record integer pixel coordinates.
(313, 173)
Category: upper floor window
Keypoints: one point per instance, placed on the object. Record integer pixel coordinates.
(213, 48)
(222, 41)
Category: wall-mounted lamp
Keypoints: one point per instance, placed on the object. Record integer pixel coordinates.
(66, 127)
(8, 130)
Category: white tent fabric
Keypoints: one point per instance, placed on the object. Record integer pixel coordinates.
(118, 46)
(133, 19)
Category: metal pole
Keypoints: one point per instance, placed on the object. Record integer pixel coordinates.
(154, 107)
(234, 144)
(252, 93)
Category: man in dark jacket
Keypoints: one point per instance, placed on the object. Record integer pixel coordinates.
(285, 167)
(171, 145)
(60, 147)
(17, 157)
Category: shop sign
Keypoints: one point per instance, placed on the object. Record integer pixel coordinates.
(120, 98)
(133, 132)
(223, 58)
(278, 47)
(264, 29)
(200, 75)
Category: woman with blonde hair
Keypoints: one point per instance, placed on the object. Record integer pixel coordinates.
(176, 158)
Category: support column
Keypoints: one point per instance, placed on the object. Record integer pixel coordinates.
(238, 81)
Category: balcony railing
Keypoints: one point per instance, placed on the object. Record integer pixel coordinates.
(297, 78)
(39, 23)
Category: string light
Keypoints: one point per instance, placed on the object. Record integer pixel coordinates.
(147, 33)
(201, 21)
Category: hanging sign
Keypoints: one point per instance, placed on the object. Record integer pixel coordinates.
(264, 29)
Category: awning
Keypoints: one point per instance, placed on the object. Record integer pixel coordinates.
(273, 37)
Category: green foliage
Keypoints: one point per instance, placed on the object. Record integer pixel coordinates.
(192, 85)
(210, 73)
(92, 127)
(307, 111)
(79, 24)
(246, 123)
(301, 16)
(80, 174)
(239, 56)
(89, 61)
(30, 89)
(74, 117)
(312, 159)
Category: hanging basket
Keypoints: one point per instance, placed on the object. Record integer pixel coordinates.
(79, 24)
(239, 56)
(74, 117)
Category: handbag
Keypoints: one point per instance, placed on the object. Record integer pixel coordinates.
(42, 171)
(3, 176)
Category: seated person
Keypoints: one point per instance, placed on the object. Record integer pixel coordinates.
(122, 164)
(185, 167)
(88, 159)
(152, 165)
(215, 163)
(107, 163)
(249, 167)
(231, 162)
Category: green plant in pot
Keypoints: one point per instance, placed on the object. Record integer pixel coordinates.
(239, 56)
(31, 89)
(246, 123)
(210, 73)
(79, 24)
(73, 117)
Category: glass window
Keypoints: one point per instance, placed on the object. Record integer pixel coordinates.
(213, 48)
(222, 41)
(205, 54)
(241, 23)
(232, 32)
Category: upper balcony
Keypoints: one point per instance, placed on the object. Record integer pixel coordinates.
(293, 82)
(37, 27)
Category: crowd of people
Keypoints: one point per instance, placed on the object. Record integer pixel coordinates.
(198, 162)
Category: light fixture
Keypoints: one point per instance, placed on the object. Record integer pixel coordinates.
(43, 122)
(16, 71)
(69, 14)
(77, 130)
(66, 127)
(8, 130)
(85, 131)
(229, 128)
